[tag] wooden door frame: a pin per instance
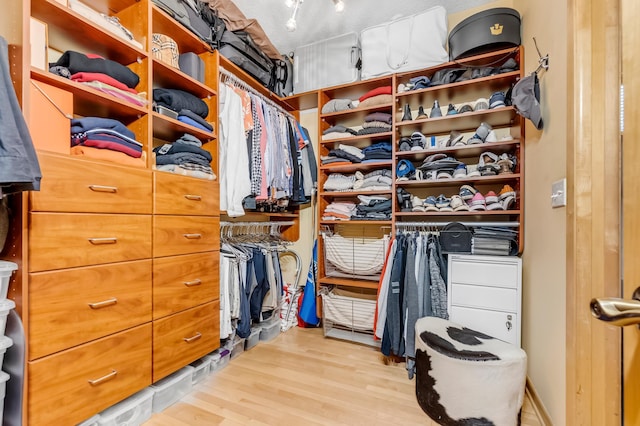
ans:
(593, 356)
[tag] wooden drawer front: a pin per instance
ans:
(496, 298)
(173, 235)
(176, 194)
(59, 241)
(182, 338)
(501, 325)
(496, 274)
(72, 185)
(181, 282)
(60, 391)
(70, 307)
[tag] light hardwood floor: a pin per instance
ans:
(302, 378)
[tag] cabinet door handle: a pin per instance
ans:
(193, 197)
(192, 236)
(103, 379)
(508, 325)
(99, 241)
(192, 339)
(102, 188)
(103, 304)
(193, 283)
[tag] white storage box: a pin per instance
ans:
(6, 269)
(93, 421)
(5, 343)
(219, 359)
(4, 378)
(171, 389)
(6, 305)
(270, 329)
(238, 347)
(133, 411)
(200, 369)
(253, 338)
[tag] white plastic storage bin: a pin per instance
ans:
(171, 389)
(4, 378)
(5, 343)
(270, 329)
(219, 359)
(253, 339)
(6, 305)
(93, 421)
(200, 369)
(6, 269)
(133, 411)
(238, 347)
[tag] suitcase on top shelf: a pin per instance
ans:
(238, 47)
(326, 63)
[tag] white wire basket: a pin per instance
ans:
(348, 316)
(358, 258)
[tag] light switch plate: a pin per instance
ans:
(559, 193)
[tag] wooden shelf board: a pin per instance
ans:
(358, 111)
(167, 76)
(170, 129)
(490, 83)
(67, 30)
(88, 101)
(358, 139)
(497, 117)
(302, 101)
(349, 282)
(457, 182)
(356, 222)
(462, 213)
(464, 151)
(349, 168)
(253, 214)
(186, 40)
(356, 89)
(352, 193)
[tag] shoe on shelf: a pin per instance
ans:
(421, 114)
(451, 110)
(435, 110)
(467, 192)
(491, 137)
(496, 100)
(478, 200)
(465, 108)
(417, 204)
(405, 144)
(458, 204)
(480, 136)
(508, 201)
(404, 199)
(418, 141)
(472, 171)
(495, 206)
(407, 113)
(481, 104)
(507, 191)
(444, 174)
(442, 201)
(491, 197)
(430, 204)
(460, 172)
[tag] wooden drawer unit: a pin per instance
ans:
(74, 306)
(176, 194)
(58, 240)
(182, 338)
(72, 185)
(71, 386)
(174, 235)
(181, 282)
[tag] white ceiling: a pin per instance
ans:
(317, 19)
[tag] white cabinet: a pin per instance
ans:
(485, 294)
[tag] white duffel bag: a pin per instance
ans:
(405, 44)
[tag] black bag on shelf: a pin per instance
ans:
(215, 22)
(282, 79)
(238, 47)
(187, 13)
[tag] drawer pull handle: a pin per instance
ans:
(193, 197)
(103, 379)
(193, 283)
(192, 236)
(102, 188)
(103, 304)
(99, 241)
(192, 339)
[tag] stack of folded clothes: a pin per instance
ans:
(185, 156)
(377, 151)
(375, 97)
(337, 105)
(191, 109)
(102, 74)
(338, 132)
(377, 180)
(376, 122)
(373, 207)
(339, 182)
(344, 153)
(339, 210)
(105, 139)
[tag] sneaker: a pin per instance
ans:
(481, 134)
(418, 141)
(505, 167)
(507, 202)
(496, 100)
(458, 204)
(465, 108)
(478, 200)
(460, 172)
(406, 116)
(442, 201)
(430, 204)
(472, 171)
(491, 197)
(481, 104)
(495, 206)
(452, 110)
(404, 200)
(405, 144)
(491, 137)
(435, 111)
(507, 191)
(421, 114)
(444, 174)
(454, 137)
(416, 204)
(405, 169)
(467, 189)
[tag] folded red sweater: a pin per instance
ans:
(82, 77)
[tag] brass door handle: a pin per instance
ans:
(616, 311)
(103, 379)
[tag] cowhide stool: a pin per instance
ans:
(464, 377)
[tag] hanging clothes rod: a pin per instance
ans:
(470, 224)
(244, 86)
(239, 224)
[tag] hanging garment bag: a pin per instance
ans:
(405, 44)
(326, 63)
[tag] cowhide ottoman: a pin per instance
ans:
(464, 377)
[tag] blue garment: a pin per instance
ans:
(262, 287)
(191, 122)
(243, 328)
(81, 125)
(19, 167)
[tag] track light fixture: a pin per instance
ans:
(292, 25)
